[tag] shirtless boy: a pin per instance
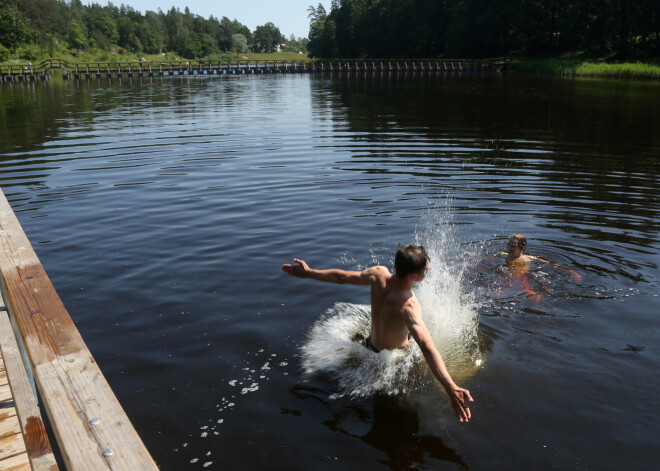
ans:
(396, 312)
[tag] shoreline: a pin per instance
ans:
(587, 68)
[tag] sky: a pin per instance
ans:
(290, 16)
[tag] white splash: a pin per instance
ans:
(450, 311)
(334, 347)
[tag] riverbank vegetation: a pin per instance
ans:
(609, 29)
(587, 68)
(575, 38)
(605, 38)
(33, 30)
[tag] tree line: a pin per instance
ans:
(485, 28)
(54, 24)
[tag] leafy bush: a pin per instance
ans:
(218, 57)
(4, 53)
(30, 53)
(103, 56)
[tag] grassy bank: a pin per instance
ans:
(109, 56)
(587, 68)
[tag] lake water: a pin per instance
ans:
(163, 209)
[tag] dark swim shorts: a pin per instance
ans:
(367, 343)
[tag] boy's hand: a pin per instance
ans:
(459, 398)
(299, 271)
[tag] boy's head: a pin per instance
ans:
(516, 241)
(410, 259)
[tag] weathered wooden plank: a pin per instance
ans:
(5, 393)
(18, 462)
(9, 426)
(72, 387)
(7, 412)
(28, 415)
(11, 445)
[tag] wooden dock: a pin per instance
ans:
(42, 349)
(24, 444)
(42, 71)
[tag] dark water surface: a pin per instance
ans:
(162, 211)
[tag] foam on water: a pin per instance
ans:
(333, 347)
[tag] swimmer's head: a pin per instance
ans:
(410, 259)
(516, 241)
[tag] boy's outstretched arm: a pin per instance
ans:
(459, 397)
(332, 275)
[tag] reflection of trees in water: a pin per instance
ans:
(25, 121)
(585, 149)
(394, 429)
(36, 113)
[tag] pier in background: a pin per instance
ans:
(70, 71)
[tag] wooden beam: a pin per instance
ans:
(92, 429)
(28, 418)
(5, 393)
(18, 462)
(9, 426)
(7, 412)
(11, 445)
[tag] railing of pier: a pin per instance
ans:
(147, 68)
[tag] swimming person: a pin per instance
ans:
(395, 312)
(518, 262)
(516, 257)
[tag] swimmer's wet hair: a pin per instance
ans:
(522, 240)
(410, 259)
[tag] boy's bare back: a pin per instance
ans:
(389, 299)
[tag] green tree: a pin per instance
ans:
(156, 29)
(321, 33)
(238, 43)
(15, 29)
(209, 46)
(267, 36)
(107, 26)
(76, 37)
(242, 29)
(4, 53)
(177, 33)
(48, 17)
(294, 46)
(192, 46)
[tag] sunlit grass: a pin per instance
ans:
(625, 70)
(94, 56)
(583, 68)
(272, 56)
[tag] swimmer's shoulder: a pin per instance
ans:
(377, 275)
(520, 262)
(377, 271)
(539, 259)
